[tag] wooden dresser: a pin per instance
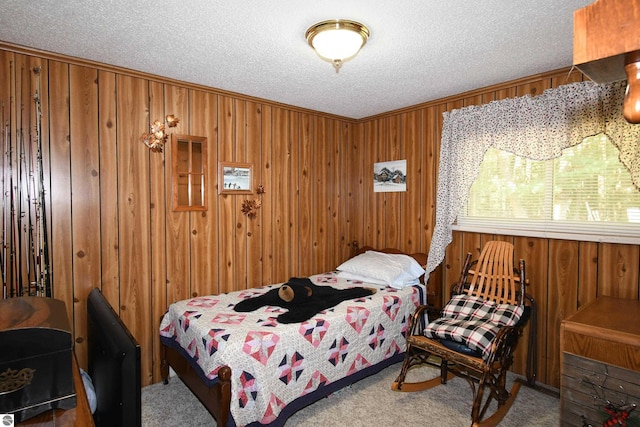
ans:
(600, 353)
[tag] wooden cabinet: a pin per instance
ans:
(80, 416)
(600, 353)
(604, 32)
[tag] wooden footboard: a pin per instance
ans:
(216, 399)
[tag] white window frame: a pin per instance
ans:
(597, 231)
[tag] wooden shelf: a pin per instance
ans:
(603, 33)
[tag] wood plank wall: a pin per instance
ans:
(113, 226)
(563, 274)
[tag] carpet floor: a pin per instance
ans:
(369, 402)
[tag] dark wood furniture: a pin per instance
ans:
(600, 352)
(37, 331)
(217, 398)
(80, 416)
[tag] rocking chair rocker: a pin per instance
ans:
(477, 333)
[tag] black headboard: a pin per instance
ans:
(114, 365)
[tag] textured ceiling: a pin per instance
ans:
(419, 50)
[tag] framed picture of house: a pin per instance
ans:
(235, 178)
(390, 176)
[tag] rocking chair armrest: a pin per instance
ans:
(417, 316)
(433, 312)
(503, 341)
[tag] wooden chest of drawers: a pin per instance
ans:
(600, 347)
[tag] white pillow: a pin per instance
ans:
(373, 281)
(395, 270)
(361, 278)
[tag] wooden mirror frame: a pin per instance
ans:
(224, 184)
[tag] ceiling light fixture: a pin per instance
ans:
(337, 40)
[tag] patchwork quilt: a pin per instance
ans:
(274, 364)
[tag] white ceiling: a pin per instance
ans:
(419, 50)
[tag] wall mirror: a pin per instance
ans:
(235, 178)
(189, 159)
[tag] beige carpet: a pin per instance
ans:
(369, 402)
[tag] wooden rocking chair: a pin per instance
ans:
(490, 289)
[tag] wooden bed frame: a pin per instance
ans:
(217, 398)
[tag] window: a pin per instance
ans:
(585, 194)
(189, 156)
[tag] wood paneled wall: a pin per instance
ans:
(113, 226)
(112, 222)
(563, 274)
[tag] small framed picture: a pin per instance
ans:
(390, 176)
(235, 178)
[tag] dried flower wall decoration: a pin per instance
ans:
(250, 207)
(157, 136)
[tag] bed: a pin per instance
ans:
(247, 369)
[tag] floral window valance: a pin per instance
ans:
(538, 128)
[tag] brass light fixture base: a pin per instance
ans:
(337, 26)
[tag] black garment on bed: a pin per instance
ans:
(302, 298)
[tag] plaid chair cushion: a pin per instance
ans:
(473, 322)
(461, 305)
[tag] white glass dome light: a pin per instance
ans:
(337, 40)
